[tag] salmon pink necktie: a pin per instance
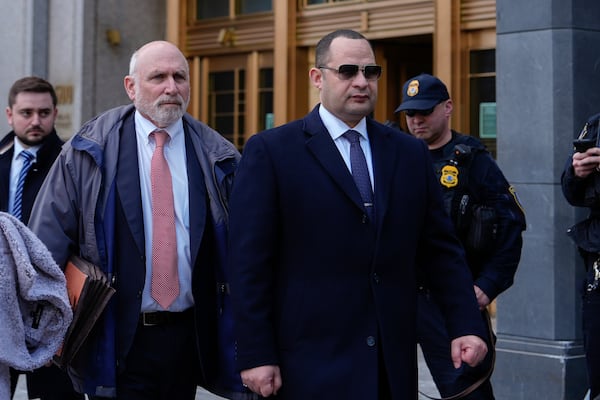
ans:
(165, 278)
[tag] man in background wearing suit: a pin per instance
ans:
(28, 151)
(141, 191)
(331, 218)
(31, 113)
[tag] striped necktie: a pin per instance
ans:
(18, 202)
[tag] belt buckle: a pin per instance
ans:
(144, 323)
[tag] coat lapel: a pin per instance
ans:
(5, 164)
(128, 183)
(197, 196)
(326, 153)
(384, 159)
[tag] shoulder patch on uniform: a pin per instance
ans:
(513, 192)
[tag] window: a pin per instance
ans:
(212, 9)
(207, 9)
(315, 2)
(265, 97)
(227, 103)
(226, 107)
(254, 6)
(482, 78)
(238, 98)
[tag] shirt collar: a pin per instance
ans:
(337, 127)
(19, 148)
(144, 127)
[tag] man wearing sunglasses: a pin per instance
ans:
(329, 217)
(488, 219)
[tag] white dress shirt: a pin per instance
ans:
(337, 128)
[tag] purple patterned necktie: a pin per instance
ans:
(360, 171)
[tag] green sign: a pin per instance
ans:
(269, 118)
(487, 120)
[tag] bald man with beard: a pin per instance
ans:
(97, 203)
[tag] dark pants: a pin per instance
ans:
(14, 379)
(591, 338)
(47, 383)
(435, 344)
(51, 383)
(162, 363)
(590, 316)
(239, 395)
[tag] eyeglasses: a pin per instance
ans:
(412, 113)
(349, 71)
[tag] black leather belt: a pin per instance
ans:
(164, 317)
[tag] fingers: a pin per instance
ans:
(455, 351)
(482, 299)
(587, 162)
(469, 349)
(264, 380)
(277, 381)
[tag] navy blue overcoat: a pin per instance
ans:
(320, 290)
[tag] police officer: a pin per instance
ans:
(488, 218)
(581, 187)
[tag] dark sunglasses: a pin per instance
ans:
(412, 113)
(349, 71)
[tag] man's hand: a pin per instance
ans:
(586, 163)
(264, 380)
(470, 349)
(482, 298)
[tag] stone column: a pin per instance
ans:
(548, 82)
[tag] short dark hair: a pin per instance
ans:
(30, 84)
(322, 50)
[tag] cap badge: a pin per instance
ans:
(413, 88)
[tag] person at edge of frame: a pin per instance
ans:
(580, 181)
(97, 202)
(331, 218)
(488, 219)
(32, 112)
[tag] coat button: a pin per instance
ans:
(370, 341)
(376, 278)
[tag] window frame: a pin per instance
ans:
(233, 9)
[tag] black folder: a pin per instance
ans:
(89, 292)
